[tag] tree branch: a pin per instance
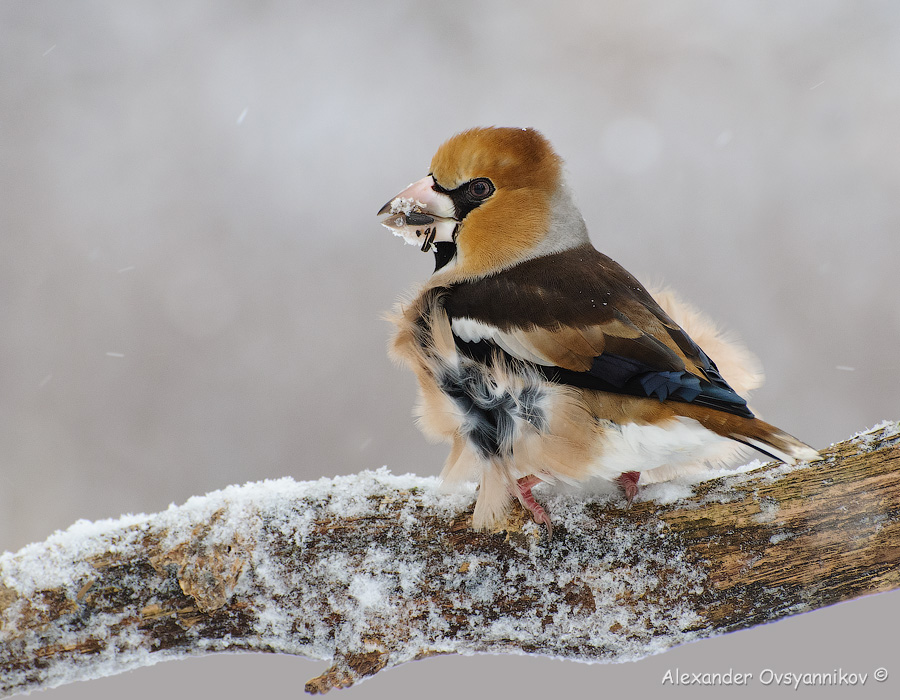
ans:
(374, 570)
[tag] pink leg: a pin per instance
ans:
(525, 484)
(628, 481)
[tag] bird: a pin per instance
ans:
(538, 358)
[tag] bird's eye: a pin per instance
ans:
(481, 188)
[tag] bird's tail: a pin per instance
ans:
(755, 433)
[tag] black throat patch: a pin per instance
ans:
(443, 253)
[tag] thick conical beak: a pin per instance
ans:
(421, 215)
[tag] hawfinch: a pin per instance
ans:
(539, 358)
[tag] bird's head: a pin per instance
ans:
(494, 197)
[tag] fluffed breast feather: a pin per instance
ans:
(423, 343)
(550, 425)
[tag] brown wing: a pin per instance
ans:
(587, 322)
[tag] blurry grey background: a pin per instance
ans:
(192, 273)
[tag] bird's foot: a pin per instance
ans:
(628, 481)
(525, 484)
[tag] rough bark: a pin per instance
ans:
(374, 570)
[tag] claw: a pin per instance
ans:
(628, 481)
(525, 484)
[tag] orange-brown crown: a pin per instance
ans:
(510, 157)
(525, 171)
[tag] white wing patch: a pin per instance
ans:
(471, 331)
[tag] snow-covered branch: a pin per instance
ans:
(374, 570)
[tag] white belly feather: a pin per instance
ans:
(660, 451)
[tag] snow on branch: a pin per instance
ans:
(373, 570)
